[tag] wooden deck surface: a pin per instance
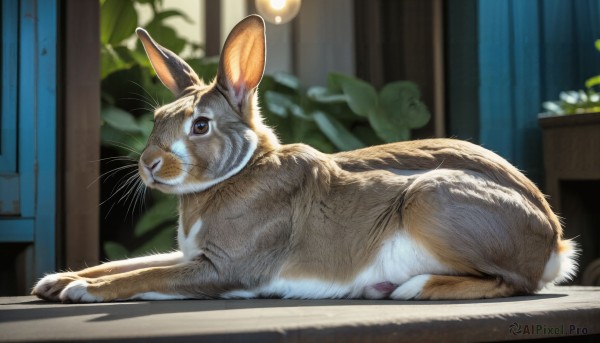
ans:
(552, 314)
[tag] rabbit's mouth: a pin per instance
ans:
(166, 186)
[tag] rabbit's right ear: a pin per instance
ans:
(242, 62)
(174, 73)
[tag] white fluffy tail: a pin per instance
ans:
(562, 264)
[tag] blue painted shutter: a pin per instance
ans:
(9, 180)
(28, 150)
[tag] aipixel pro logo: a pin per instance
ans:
(517, 329)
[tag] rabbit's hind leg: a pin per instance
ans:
(446, 287)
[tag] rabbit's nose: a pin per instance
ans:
(154, 165)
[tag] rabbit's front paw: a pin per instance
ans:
(50, 286)
(77, 292)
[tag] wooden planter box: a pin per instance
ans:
(572, 170)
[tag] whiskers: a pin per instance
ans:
(129, 188)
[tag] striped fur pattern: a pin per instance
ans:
(426, 219)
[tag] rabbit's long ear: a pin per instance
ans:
(170, 68)
(242, 61)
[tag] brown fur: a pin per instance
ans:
(443, 287)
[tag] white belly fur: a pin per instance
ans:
(399, 259)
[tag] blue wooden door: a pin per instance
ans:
(28, 129)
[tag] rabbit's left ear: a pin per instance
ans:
(174, 73)
(242, 61)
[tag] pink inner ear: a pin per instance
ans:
(243, 59)
(239, 89)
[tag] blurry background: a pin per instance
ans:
(78, 95)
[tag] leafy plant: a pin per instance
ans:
(346, 114)
(573, 102)
(582, 101)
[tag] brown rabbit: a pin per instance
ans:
(426, 219)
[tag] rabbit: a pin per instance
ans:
(426, 219)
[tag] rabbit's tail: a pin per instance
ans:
(562, 264)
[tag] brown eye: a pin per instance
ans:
(200, 126)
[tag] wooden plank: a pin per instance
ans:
(46, 28)
(569, 312)
(496, 76)
(81, 119)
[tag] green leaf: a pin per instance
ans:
(118, 20)
(280, 104)
(172, 13)
(287, 80)
(361, 96)
(386, 129)
(298, 111)
(119, 119)
(553, 107)
(592, 81)
(115, 251)
(160, 213)
(400, 103)
(325, 96)
(597, 44)
(277, 103)
(114, 59)
(341, 137)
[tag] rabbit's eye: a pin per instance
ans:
(200, 126)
